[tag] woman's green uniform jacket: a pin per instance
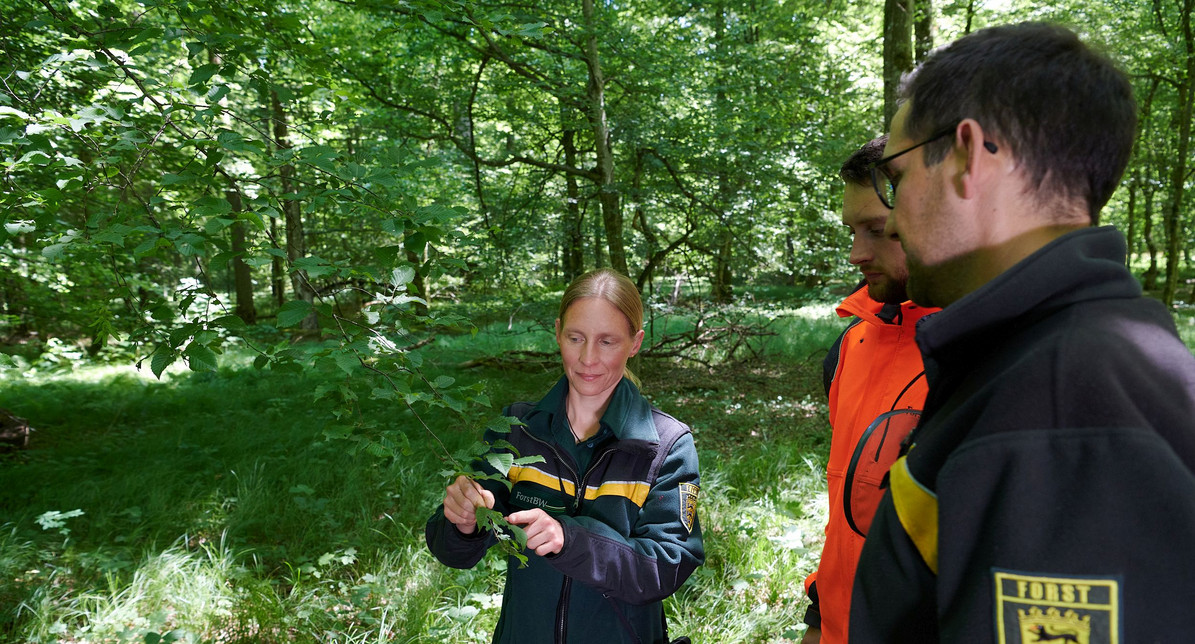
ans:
(631, 534)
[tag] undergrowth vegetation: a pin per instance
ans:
(212, 507)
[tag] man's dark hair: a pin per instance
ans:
(855, 169)
(1064, 110)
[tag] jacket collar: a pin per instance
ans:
(628, 417)
(1083, 265)
(860, 305)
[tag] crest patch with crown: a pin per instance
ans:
(1054, 608)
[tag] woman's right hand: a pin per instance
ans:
(461, 499)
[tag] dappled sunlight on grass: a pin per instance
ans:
(211, 504)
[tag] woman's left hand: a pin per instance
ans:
(545, 535)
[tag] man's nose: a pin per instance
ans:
(861, 250)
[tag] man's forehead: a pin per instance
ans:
(860, 205)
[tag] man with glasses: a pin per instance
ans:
(1049, 492)
(873, 368)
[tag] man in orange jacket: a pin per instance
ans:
(874, 368)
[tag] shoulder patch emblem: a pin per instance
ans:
(1066, 610)
(688, 504)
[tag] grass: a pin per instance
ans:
(210, 507)
(213, 510)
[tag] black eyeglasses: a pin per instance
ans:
(886, 189)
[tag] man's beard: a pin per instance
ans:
(889, 291)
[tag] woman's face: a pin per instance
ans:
(595, 342)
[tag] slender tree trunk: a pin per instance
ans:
(599, 258)
(923, 29)
(721, 289)
(790, 251)
(1150, 278)
(1178, 172)
(608, 195)
(898, 50)
(573, 250)
(242, 275)
(1131, 234)
(639, 222)
(296, 245)
(277, 270)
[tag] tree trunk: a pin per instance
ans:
(720, 282)
(599, 258)
(923, 29)
(790, 251)
(1178, 172)
(639, 223)
(898, 50)
(573, 250)
(1150, 278)
(1131, 234)
(608, 195)
(242, 275)
(277, 270)
(296, 245)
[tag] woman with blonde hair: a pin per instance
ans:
(611, 512)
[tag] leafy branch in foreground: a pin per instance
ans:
(500, 455)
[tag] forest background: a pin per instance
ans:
(267, 269)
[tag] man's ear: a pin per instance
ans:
(976, 158)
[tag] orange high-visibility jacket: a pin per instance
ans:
(874, 367)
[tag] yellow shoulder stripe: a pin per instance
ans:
(917, 509)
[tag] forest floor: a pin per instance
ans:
(210, 507)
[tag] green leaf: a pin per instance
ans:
(314, 266)
(347, 361)
(500, 461)
(401, 276)
(53, 252)
(13, 112)
(230, 322)
(203, 74)
(200, 358)
(502, 424)
(171, 179)
(162, 358)
(293, 312)
(216, 224)
(207, 206)
(20, 227)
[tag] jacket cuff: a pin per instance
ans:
(813, 614)
(566, 526)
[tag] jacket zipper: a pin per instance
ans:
(562, 610)
(567, 588)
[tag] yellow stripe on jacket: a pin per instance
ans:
(633, 491)
(917, 509)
